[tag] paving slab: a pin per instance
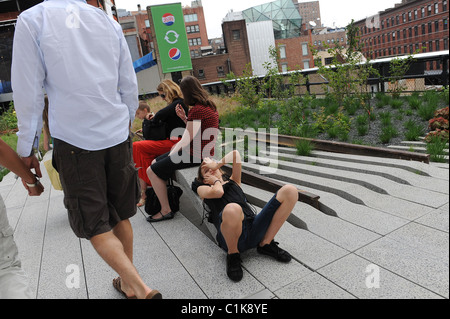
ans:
(313, 286)
(357, 276)
(422, 268)
(438, 219)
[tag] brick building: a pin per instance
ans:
(214, 68)
(310, 12)
(409, 26)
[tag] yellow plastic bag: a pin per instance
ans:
(53, 174)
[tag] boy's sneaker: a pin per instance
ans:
(274, 251)
(234, 268)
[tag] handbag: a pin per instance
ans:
(152, 204)
(53, 174)
(154, 131)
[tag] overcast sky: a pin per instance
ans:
(333, 12)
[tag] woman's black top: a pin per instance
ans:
(233, 193)
(169, 116)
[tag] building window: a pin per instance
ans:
(445, 23)
(429, 10)
(430, 28)
(436, 8)
(284, 67)
(415, 14)
(444, 5)
(445, 44)
(423, 12)
(404, 17)
(305, 64)
(397, 20)
(423, 29)
(436, 26)
(220, 71)
(236, 34)
(191, 17)
(438, 46)
(147, 23)
(430, 46)
(194, 42)
(305, 49)
(416, 31)
(282, 51)
(201, 74)
(410, 32)
(192, 29)
(409, 16)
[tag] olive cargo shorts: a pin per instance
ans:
(101, 188)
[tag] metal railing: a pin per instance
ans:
(428, 70)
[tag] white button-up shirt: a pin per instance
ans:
(80, 57)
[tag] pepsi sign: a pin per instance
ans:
(174, 54)
(168, 19)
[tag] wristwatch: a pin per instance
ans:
(35, 184)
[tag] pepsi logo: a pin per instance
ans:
(168, 19)
(175, 54)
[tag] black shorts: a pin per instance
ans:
(164, 167)
(101, 188)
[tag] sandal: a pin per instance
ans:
(168, 216)
(117, 283)
(141, 202)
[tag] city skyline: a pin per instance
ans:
(334, 13)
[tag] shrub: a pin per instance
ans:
(442, 134)
(442, 113)
(438, 123)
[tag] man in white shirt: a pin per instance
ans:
(80, 57)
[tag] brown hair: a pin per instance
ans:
(170, 89)
(194, 93)
(143, 106)
(200, 177)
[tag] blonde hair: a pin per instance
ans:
(170, 89)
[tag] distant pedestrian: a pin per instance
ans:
(80, 56)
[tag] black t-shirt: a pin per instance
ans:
(233, 193)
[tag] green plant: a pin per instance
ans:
(413, 131)
(396, 103)
(387, 133)
(398, 67)
(8, 120)
(427, 110)
(304, 147)
(362, 130)
(247, 90)
(436, 148)
(385, 118)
